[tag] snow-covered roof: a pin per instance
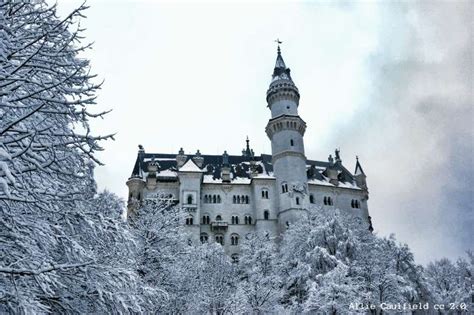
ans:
(242, 169)
(190, 167)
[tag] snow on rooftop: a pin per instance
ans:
(167, 173)
(190, 166)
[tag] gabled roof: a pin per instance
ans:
(190, 167)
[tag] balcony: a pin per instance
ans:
(219, 226)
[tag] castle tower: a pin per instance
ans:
(286, 130)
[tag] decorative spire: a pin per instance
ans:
(337, 155)
(225, 159)
(358, 168)
(282, 86)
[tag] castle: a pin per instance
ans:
(228, 196)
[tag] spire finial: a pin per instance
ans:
(278, 41)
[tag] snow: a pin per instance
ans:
(167, 173)
(190, 167)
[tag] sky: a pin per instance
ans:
(389, 81)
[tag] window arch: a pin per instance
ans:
(246, 199)
(328, 201)
(311, 198)
(284, 187)
(234, 199)
(235, 219)
(297, 200)
(190, 199)
(204, 238)
(206, 219)
(189, 220)
(218, 217)
(234, 239)
(292, 143)
(266, 215)
(218, 198)
(220, 239)
(264, 193)
(248, 219)
(238, 199)
(214, 199)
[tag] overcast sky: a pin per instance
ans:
(389, 81)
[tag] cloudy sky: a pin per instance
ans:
(389, 81)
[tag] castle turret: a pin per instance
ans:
(286, 130)
(136, 184)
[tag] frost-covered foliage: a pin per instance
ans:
(63, 248)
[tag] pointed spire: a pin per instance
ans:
(358, 168)
(281, 72)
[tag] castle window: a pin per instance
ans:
(214, 199)
(248, 219)
(206, 219)
(234, 239)
(235, 219)
(284, 187)
(246, 199)
(311, 198)
(205, 198)
(204, 238)
(353, 203)
(264, 194)
(218, 218)
(234, 199)
(189, 221)
(218, 199)
(238, 199)
(235, 258)
(328, 201)
(287, 224)
(266, 215)
(297, 200)
(292, 143)
(220, 239)
(190, 199)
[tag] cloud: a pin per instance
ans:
(415, 131)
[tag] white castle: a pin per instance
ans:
(229, 196)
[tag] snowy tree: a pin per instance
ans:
(333, 292)
(452, 282)
(60, 251)
(161, 247)
(259, 280)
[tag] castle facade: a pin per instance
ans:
(227, 197)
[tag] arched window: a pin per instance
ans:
(357, 204)
(218, 218)
(218, 198)
(189, 221)
(190, 199)
(246, 199)
(205, 198)
(206, 219)
(352, 204)
(220, 239)
(263, 194)
(292, 143)
(330, 201)
(266, 215)
(311, 198)
(214, 199)
(234, 239)
(236, 220)
(297, 200)
(234, 199)
(286, 187)
(266, 194)
(238, 199)
(248, 219)
(204, 238)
